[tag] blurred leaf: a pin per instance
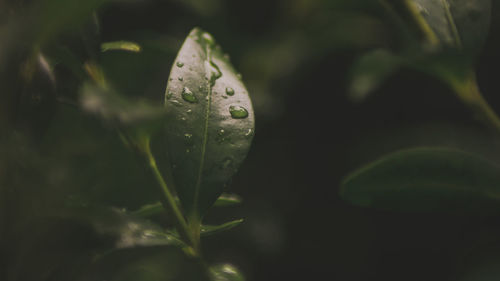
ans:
(65, 243)
(70, 148)
(127, 231)
(426, 179)
(226, 272)
(228, 199)
(149, 210)
(207, 230)
(121, 46)
(225, 200)
(369, 71)
(49, 19)
(461, 24)
(137, 119)
(147, 264)
(211, 122)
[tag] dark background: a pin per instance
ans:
(295, 58)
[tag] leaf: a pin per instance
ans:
(127, 231)
(426, 179)
(228, 199)
(137, 120)
(148, 210)
(121, 46)
(226, 272)
(461, 24)
(66, 242)
(369, 71)
(117, 110)
(207, 230)
(164, 263)
(211, 122)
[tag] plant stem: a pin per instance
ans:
(169, 203)
(469, 93)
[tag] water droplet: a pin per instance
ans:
(180, 79)
(229, 91)
(220, 136)
(238, 112)
(189, 111)
(176, 102)
(188, 136)
(179, 64)
(249, 133)
(188, 96)
(200, 87)
(207, 97)
(208, 38)
(183, 118)
(169, 95)
(215, 72)
(188, 150)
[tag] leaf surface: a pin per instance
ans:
(210, 122)
(426, 179)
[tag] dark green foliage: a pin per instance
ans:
(427, 179)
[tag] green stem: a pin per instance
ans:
(169, 203)
(469, 93)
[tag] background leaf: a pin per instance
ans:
(211, 122)
(226, 272)
(461, 24)
(67, 242)
(426, 179)
(121, 46)
(207, 230)
(369, 71)
(147, 264)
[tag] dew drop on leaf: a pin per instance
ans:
(249, 133)
(208, 38)
(188, 96)
(176, 102)
(238, 112)
(215, 72)
(179, 64)
(230, 91)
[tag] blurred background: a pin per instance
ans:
(295, 57)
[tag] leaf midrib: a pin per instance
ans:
(205, 139)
